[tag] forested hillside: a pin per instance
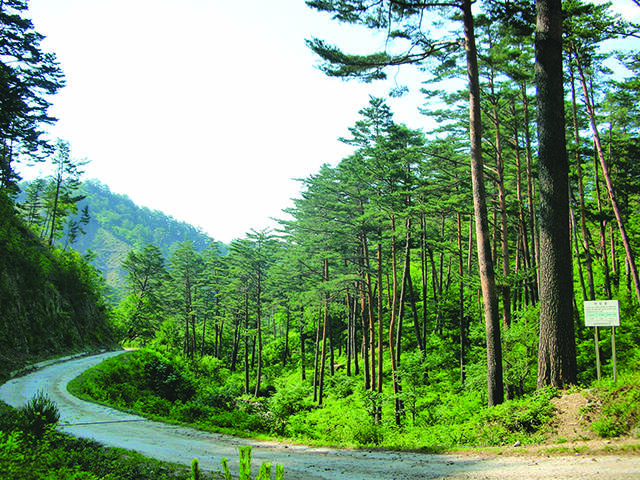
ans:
(103, 226)
(117, 225)
(50, 299)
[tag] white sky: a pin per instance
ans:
(203, 109)
(207, 109)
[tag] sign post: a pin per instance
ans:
(603, 313)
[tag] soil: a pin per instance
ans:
(577, 456)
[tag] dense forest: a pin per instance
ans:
(423, 277)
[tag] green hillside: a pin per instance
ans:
(50, 299)
(118, 225)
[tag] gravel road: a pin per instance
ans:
(181, 444)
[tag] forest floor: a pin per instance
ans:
(572, 453)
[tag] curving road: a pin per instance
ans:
(181, 444)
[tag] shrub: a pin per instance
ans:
(153, 405)
(211, 368)
(39, 415)
(190, 412)
(289, 400)
(167, 382)
(9, 417)
(341, 386)
(221, 398)
(367, 433)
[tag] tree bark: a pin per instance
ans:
(485, 262)
(557, 348)
(325, 325)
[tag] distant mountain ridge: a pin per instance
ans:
(118, 225)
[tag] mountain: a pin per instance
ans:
(118, 225)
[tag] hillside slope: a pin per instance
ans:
(118, 225)
(50, 300)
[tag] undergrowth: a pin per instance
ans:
(615, 409)
(435, 420)
(31, 448)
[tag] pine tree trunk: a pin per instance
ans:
(588, 261)
(323, 354)
(485, 261)
(557, 349)
(303, 338)
(423, 277)
(533, 224)
(502, 202)
(246, 343)
(378, 410)
(316, 361)
(259, 333)
(462, 321)
(285, 354)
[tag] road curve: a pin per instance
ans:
(181, 444)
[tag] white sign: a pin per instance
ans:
(602, 313)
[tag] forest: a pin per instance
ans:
(431, 283)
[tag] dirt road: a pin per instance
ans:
(180, 444)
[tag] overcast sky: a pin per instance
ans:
(205, 109)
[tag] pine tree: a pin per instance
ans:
(28, 77)
(405, 21)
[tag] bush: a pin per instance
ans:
(152, 405)
(167, 382)
(190, 412)
(221, 398)
(211, 368)
(9, 417)
(367, 433)
(39, 415)
(289, 400)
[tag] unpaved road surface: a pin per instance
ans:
(180, 444)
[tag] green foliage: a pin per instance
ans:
(244, 462)
(219, 397)
(54, 456)
(195, 469)
(616, 408)
(29, 76)
(518, 419)
(38, 416)
(50, 300)
(244, 465)
(290, 399)
(164, 379)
